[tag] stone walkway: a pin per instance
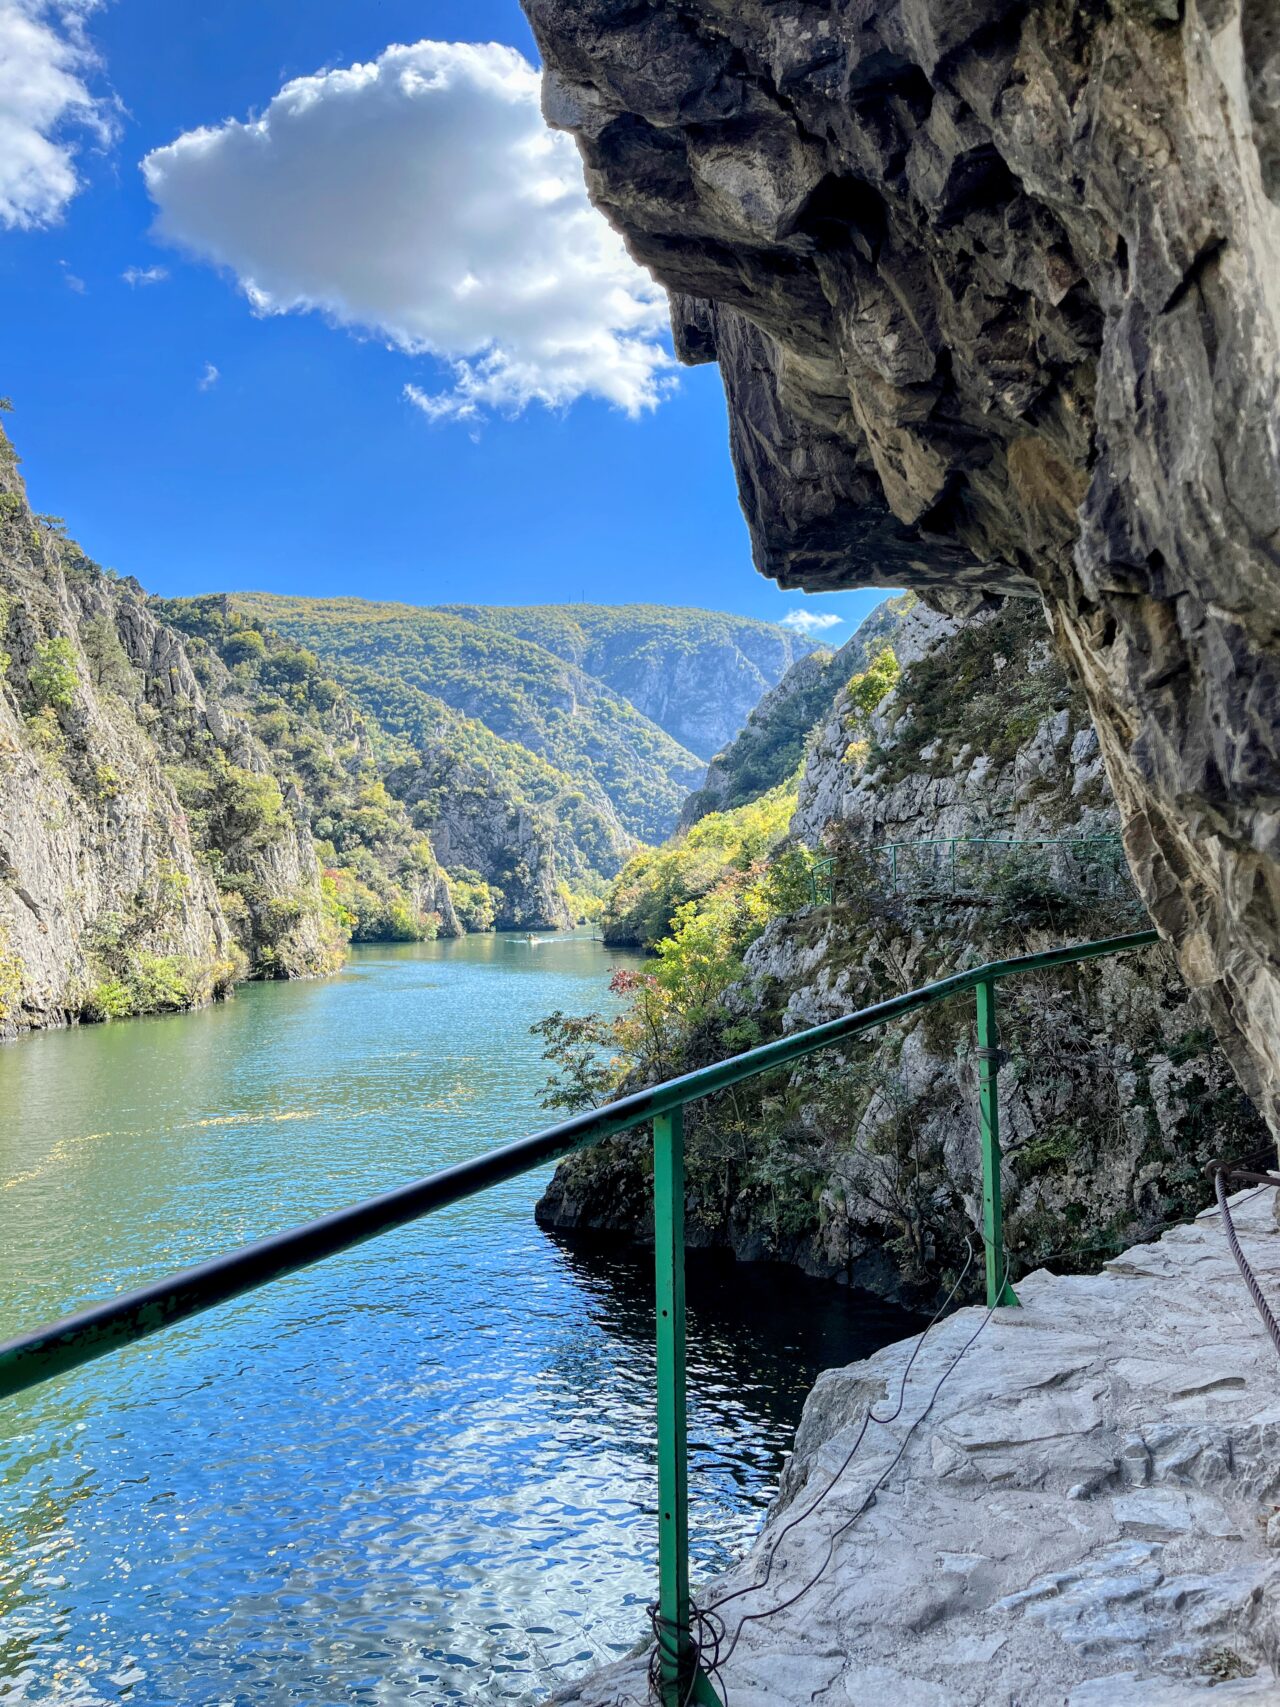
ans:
(1089, 1516)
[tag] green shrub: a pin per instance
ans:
(108, 999)
(161, 983)
(11, 971)
(52, 681)
(45, 733)
(656, 882)
(108, 662)
(863, 693)
(172, 883)
(474, 901)
(243, 645)
(250, 806)
(141, 982)
(403, 923)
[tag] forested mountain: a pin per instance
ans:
(380, 877)
(567, 835)
(696, 673)
(563, 681)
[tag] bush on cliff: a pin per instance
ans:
(656, 883)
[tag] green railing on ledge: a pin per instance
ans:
(92, 1333)
(1099, 856)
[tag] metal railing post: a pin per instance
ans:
(673, 1480)
(675, 1637)
(999, 1290)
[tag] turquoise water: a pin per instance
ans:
(422, 1472)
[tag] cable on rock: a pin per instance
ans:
(705, 1642)
(1222, 1172)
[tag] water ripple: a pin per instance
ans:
(422, 1473)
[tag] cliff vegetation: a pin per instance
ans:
(527, 676)
(862, 1164)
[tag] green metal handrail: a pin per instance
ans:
(61, 1346)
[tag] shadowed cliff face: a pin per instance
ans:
(995, 290)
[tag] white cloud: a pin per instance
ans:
(45, 58)
(421, 197)
(144, 275)
(209, 378)
(810, 621)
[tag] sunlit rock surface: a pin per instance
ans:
(1114, 1095)
(98, 858)
(1086, 1513)
(995, 291)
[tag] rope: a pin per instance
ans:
(868, 1500)
(704, 1641)
(1221, 1172)
(698, 1643)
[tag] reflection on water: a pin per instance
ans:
(423, 1472)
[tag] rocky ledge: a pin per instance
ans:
(1086, 1515)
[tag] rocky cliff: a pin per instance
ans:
(381, 880)
(865, 1165)
(993, 288)
(771, 744)
(478, 825)
(117, 894)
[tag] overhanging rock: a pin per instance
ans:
(995, 290)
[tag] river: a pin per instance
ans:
(420, 1473)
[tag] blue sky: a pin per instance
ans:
(304, 466)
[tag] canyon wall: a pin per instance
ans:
(863, 1163)
(148, 857)
(995, 291)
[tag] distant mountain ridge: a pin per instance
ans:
(697, 674)
(596, 692)
(771, 743)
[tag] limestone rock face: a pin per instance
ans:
(995, 290)
(476, 825)
(1113, 1094)
(89, 825)
(771, 744)
(703, 696)
(101, 869)
(696, 674)
(1079, 1508)
(279, 922)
